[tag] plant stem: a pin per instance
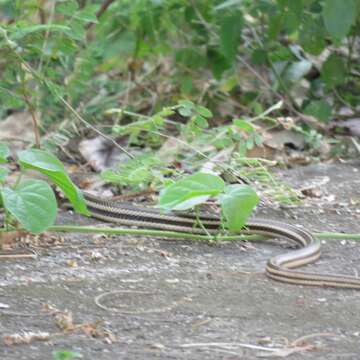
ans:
(337, 236)
(179, 235)
(199, 222)
(34, 118)
(148, 232)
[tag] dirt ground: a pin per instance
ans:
(155, 299)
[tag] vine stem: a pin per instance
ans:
(150, 232)
(337, 236)
(180, 235)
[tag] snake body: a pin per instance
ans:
(280, 268)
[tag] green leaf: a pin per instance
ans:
(223, 142)
(187, 103)
(339, 16)
(200, 121)
(190, 191)
(21, 32)
(78, 29)
(4, 153)
(244, 125)
(66, 355)
(312, 35)
(137, 172)
(184, 111)
(280, 53)
(320, 109)
(166, 111)
(186, 108)
(259, 57)
(204, 112)
(88, 14)
(67, 8)
(229, 84)
(274, 27)
(292, 13)
(32, 203)
(237, 205)
(230, 32)
(10, 100)
(218, 62)
(333, 71)
(51, 166)
(3, 173)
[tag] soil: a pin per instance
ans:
(145, 298)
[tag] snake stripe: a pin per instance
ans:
(279, 268)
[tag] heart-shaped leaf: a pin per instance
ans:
(237, 205)
(32, 203)
(190, 191)
(50, 165)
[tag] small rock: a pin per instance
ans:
(322, 300)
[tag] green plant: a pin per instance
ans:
(31, 202)
(137, 173)
(50, 47)
(97, 57)
(237, 201)
(237, 137)
(66, 355)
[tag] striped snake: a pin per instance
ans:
(280, 268)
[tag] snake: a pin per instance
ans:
(281, 267)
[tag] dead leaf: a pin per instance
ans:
(284, 138)
(8, 240)
(72, 263)
(100, 153)
(96, 331)
(25, 338)
(64, 320)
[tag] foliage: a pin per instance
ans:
(137, 173)
(31, 201)
(47, 164)
(83, 55)
(66, 355)
(190, 191)
(230, 60)
(238, 136)
(237, 201)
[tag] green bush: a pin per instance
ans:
(250, 51)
